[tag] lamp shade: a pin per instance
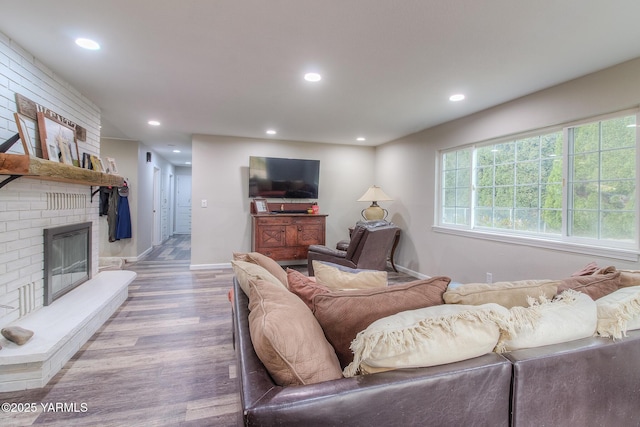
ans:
(374, 194)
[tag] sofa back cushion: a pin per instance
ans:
(619, 312)
(629, 278)
(265, 262)
(507, 294)
(287, 338)
(304, 287)
(595, 285)
(336, 278)
(248, 272)
(569, 316)
(343, 314)
(428, 336)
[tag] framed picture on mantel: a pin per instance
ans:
(23, 131)
(58, 140)
(261, 206)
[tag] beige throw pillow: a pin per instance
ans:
(336, 279)
(507, 294)
(247, 272)
(569, 316)
(427, 337)
(629, 278)
(287, 338)
(263, 261)
(619, 312)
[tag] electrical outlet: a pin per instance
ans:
(203, 203)
(489, 278)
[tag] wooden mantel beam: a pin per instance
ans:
(35, 167)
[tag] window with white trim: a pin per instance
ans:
(517, 186)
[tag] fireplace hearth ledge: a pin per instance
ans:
(61, 329)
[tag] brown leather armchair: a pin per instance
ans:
(368, 247)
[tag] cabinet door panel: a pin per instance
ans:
(310, 234)
(271, 236)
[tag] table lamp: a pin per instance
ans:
(374, 194)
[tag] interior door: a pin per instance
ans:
(183, 204)
(157, 234)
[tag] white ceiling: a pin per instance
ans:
(235, 67)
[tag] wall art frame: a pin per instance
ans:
(261, 206)
(58, 135)
(27, 143)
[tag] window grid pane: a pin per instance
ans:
(512, 182)
(455, 191)
(602, 180)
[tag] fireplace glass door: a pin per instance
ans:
(67, 259)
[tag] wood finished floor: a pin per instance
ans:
(165, 358)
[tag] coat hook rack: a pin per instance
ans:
(93, 193)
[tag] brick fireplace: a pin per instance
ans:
(28, 207)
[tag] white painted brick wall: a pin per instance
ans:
(26, 206)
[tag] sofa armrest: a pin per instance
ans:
(455, 394)
(325, 250)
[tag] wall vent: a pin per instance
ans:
(62, 201)
(27, 298)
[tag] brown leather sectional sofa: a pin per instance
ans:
(589, 382)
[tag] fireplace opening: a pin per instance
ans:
(67, 259)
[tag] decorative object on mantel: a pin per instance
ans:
(23, 131)
(30, 109)
(17, 334)
(96, 163)
(374, 194)
(111, 167)
(58, 140)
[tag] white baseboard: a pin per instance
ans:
(210, 266)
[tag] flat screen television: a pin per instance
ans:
(283, 178)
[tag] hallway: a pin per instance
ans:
(175, 248)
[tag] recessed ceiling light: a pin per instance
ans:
(361, 138)
(456, 97)
(176, 151)
(312, 77)
(154, 122)
(271, 132)
(187, 163)
(87, 44)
